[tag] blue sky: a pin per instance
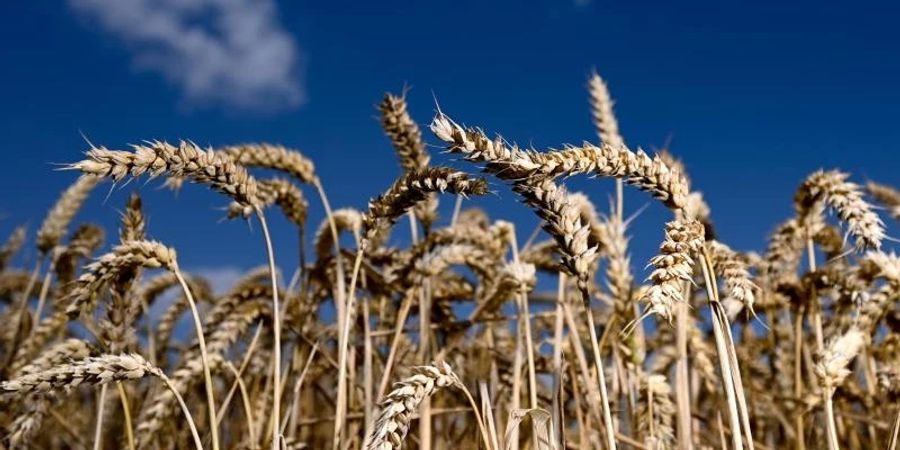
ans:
(755, 95)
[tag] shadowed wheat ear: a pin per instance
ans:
(410, 148)
(54, 226)
(412, 188)
(831, 188)
(888, 196)
(280, 192)
(12, 246)
(93, 371)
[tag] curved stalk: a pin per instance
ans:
(207, 377)
(276, 317)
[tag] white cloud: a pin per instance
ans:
(233, 53)
(221, 279)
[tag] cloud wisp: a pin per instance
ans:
(231, 53)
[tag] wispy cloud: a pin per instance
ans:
(232, 53)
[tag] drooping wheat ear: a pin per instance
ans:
(57, 354)
(562, 220)
(414, 187)
(506, 162)
(344, 219)
(272, 156)
(684, 237)
(398, 407)
(831, 188)
(602, 112)
(123, 257)
(832, 365)
(515, 278)
(656, 412)
(738, 284)
(407, 141)
(186, 160)
(96, 371)
(133, 225)
(888, 196)
(153, 288)
(54, 226)
(12, 246)
(276, 191)
(82, 245)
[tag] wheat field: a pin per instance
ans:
(466, 336)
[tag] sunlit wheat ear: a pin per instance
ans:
(124, 256)
(672, 266)
(738, 284)
(186, 160)
(88, 371)
(562, 221)
(398, 407)
(511, 163)
(412, 188)
(602, 111)
(60, 215)
(831, 188)
(12, 246)
(888, 196)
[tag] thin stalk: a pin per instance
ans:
(184, 409)
(830, 427)
(248, 353)
(522, 304)
(343, 343)
(245, 399)
(722, 352)
(42, 298)
(207, 377)
(276, 317)
(395, 343)
(558, 325)
(598, 362)
(682, 389)
(126, 413)
(478, 418)
(98, 429)
(895, 432)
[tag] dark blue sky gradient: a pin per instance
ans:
(755, 96)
